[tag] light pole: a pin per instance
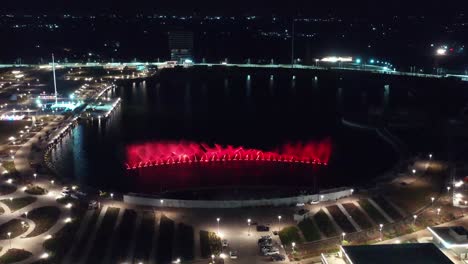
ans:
(217, 220)
(380, 229)
(342, 237)
(293, 245)
(279, 222)
(9, 237)
(414, 219)
(438, 211)
(248, 223)
(35, 176)
(432, 201)
(212, 258)
(26, 214)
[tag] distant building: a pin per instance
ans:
(408, 253)
(181, 45)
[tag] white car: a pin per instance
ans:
(233, 254)
(225, 243)
(271, 252)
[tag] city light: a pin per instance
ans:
(337, 59)
(441, 51)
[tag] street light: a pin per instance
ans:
(414, 219)
(380, 229)
(438, 211)
(432, 201)
(343, 235)
(248, 222)
(430, 156)
(414, 171)
(217, 220)
(279, 222)
(9, 237)
(448, 189)
(293, 244)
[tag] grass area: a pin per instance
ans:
(357, 215)
(81, 244)
(412, 193)
(7, 189)
(125, 230)
(210, 244)
(8, 129)
(35, 190)
(145, 237)
(290, 234)
(63, 240)
(341, 219)
(44, 218)
(104, 233)
(325, 224)
(165, 240)
(309, 230)
(14, 227)
(9, 166)
(205, 244)
(18, 203)
(14, 255)
(185, 242)
(372, 211)
(387, 207)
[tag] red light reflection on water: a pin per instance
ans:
(168, 153)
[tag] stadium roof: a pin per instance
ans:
(426, 253)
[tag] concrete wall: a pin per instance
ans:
(158, 202)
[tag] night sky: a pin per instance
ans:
(310, 7)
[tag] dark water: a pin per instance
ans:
(262, 111)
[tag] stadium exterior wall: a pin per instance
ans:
(328, 195)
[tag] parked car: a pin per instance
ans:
(261, 240)
(263, 228)
(268, 249)
(272, 252)
(93, 204)
(233, 254)
(225, 243)
(277, 257)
